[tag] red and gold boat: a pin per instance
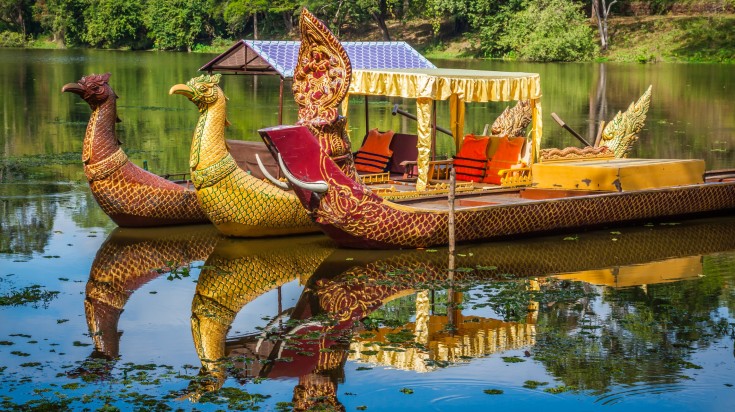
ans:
(131, 196)
(563, 194)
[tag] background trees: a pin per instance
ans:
(545, 30)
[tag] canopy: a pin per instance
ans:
(456, 85)
(279, 57)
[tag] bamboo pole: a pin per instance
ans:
(452, 189)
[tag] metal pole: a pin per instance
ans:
(280, 103)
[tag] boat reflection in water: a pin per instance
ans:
(127, 260)
(406, 309)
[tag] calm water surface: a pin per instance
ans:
(623, 318)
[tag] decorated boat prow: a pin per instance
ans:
(236, 202)
(131, 196)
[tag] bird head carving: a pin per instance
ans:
(93, 88)
(201, 90)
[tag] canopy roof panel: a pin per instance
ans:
(279, 57)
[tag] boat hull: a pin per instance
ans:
(133, 197)
(554, 215)
(355, 217)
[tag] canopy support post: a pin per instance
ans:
(433, 130)
(280, 103)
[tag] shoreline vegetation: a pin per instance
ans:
(684, 31)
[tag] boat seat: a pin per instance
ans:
(384, 152)
(503, 150)
(374, 155)
(480, 159)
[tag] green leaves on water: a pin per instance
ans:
(175, 270)
(34, 295)
(531, 384)
(561, 389)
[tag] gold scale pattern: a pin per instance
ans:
(384, 224)
(124, 264)
(622, 131)
(131, 196)
(237, 203)
(228, 282)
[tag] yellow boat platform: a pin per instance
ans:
(617, 175)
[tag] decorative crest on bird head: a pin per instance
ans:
(203, 89)
(93, 88)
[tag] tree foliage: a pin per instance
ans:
(546, 30)
(113, 23)
(175, 24)
(549, 30)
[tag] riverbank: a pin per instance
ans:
(705, 38)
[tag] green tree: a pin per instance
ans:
(175, 24)
(380, 11)
(114, 23)
(238, 13)
(549, 30)
(63, 19)
(488, 20)
(15, 15)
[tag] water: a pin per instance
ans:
(622, 318)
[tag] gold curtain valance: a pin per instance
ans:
(440, 84)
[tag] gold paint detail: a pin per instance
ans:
(322, 74)
(89, 136)
(214, 173)
(106, 167)
(513, 121)
(575, 153)
(622, 131)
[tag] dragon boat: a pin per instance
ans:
(586, 189)
(235, 201)
(128, 194)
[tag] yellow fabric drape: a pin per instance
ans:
(536, 130)
(440, 84)
(423, 130)
(458, 85)
(456, 119)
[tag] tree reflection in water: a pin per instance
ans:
(593, 319)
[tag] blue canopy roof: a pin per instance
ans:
(279, 57)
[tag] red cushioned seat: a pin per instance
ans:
(374, 155)
(470, 161)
